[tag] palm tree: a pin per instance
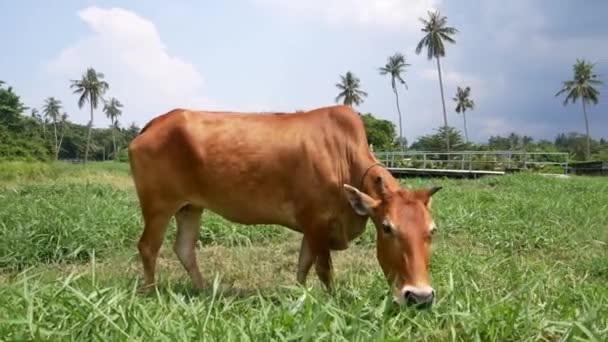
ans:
(464, 102)
(437, 31)
(113, 111)
(349, 90)
(51, 110)
(64, 120)
(91, 88)
(395, 66)
(582, 86)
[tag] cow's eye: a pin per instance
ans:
(387, 229)
(433, 228)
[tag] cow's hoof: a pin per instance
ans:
(146, 289)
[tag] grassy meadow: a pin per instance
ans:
(520, 257)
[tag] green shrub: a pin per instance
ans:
(123, 156)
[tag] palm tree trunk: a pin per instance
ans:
(56, 147)
(60, 139)
(399, 112)
(445, 117)
(86, 151)
(588, 152)
(114, 141)
(466, 133)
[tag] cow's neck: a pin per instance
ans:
(370, 173)
(350, 225)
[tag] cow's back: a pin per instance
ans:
(249, 168)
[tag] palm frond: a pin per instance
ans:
(436, 32)
(421, 44)
(349, 89)
(593, 96)
(582, 84)
(595, 82)
(83, 99)
(446, 38)
(463, 100)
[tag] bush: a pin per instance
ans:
(123, 156)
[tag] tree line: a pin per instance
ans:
(47, 133)
(436, 34)
(382, 136)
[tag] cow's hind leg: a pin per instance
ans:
(149, 245)
(188, 226)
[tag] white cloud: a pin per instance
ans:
(453, 79)
(128, 49)
(390, 14)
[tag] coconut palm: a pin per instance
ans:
(91, 88)
(437, 32)
(464, 103)
(113, 111)
(582, 87)
(64, 120)
(51, 110)
(395, 67)
(350, 90)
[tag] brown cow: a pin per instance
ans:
(311, 172)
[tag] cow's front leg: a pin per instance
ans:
(323, 265)
(305, 260)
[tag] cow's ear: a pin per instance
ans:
(361, 203)
(426, 195)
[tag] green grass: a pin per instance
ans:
(519, 257)
(17, 171)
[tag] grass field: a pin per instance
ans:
(519, 257)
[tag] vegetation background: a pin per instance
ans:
(27, 135)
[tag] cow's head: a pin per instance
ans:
(404, 227)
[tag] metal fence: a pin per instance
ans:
(548, 162)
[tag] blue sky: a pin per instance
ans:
(253, 55)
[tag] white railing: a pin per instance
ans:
(548, 162)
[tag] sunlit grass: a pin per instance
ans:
(519, 257)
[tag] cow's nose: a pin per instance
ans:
(419, 296)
